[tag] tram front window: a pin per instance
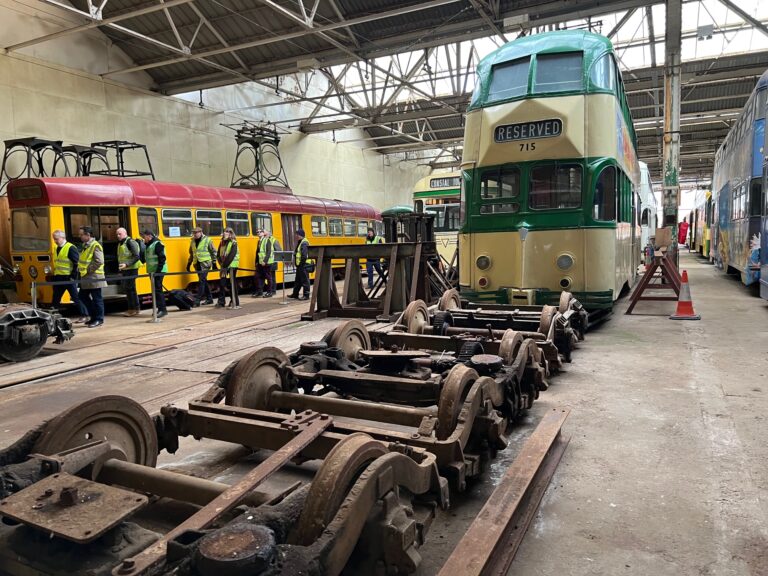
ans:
(559, 72)
(555, 187)
(31, 229)
(509, 80)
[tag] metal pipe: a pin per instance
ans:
(400, 415)
(168, 484)
(497, 334)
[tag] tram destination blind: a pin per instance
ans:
(528, 130)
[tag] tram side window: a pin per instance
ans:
(210, 221)
(31, 229)
(603, 74)
(335, 227)
(147, 218)
(177, 223)
(238, 221)
(559, 72)
(349, 227)
(261, 221)
(497, 186)
(509, 79)
(604, 202)
(362, 228)
(755, 198)
(319, 226)
(555, 186)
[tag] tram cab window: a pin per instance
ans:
(335, 227)
(603, 74)
(31, 229)
(555, 186)
(755, 197)
(558, 72)
(177, 223)
(210, 221)
(238, 221)
(349, 227)
(319, 226)
(362, 228)
(147, 218)
(504, 183)
(509, 79)
(261, 221)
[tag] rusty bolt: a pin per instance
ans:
(323, 416)
(68, 496)
(127, 566)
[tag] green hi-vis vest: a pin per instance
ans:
(201, 251)
(263, 251)
(228, 249)
(85, 260)
(62, 264)
(375, 240)
(124, 256)
(151, 257)
(297, 253)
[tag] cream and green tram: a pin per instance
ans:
(438, 194)
(550, 175)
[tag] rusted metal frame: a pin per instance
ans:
(659, 263)
(490, 544)
(391, 280)
(413, 293)
(381, 387)
(155, 554)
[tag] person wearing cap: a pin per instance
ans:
(229, 262)
(371, 263)
(202, 255)
(92, 279)
(157, 265)
(302, 262)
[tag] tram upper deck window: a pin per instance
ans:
(509, 79)
(147, 218)
(177, 223)
(362, 228)
(555, 187)
(31, 229)
(210, 221)
(261, 221)
(603, 74)
(604, 201)
(238, 221)
(559, 72)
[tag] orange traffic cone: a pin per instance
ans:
(684, 303)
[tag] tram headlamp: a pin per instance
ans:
(33, 271)
(483, 282)
(47, 270)
(564, 261)
(565, 283)
(16, 269)
(483, 262)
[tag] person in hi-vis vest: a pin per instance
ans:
(65, 269)
(302, 262)
(91, 269)
(154, 254)
(229, 262)
(129, 262)
(373, 263)
(202, 255)
(265, 260)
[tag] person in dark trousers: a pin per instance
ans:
(91, 269)
(302, 262)
(154, 254)
(265, 259)
(229, 261)
(129, 262)
(202, 255)
(371, 263)
(65, 269)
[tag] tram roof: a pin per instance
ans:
(91, 191)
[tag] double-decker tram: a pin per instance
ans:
(171, 211)
(648, 207)
(737, 185)
(550, 175)
(439, 194)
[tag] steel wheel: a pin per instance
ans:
(454, 391)
(416, 317)
(547, 316)
(339, 471)
(121, 421)
(565, 302)
(351, 337)
(509, 346)
(255, 377)
(449, 300)
(21, 352)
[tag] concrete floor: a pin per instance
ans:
(667, 469)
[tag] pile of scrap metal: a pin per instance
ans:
(396, 430)
(24, 330)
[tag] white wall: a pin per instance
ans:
(52, 91)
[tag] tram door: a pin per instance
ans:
(291, 223)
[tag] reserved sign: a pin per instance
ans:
(528, 130)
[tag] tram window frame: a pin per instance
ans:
(238, 221)
(40, 218)
(756, 197)
(501, 176)
(599, 73)
(335, 227)
(350, 227)
(261, 221)
(500, 88)
(609, 207)
(148, 220)
(557, 66)
(554, 166)
(319, 226)
(362, 228)
(179, 218)
(206, 219)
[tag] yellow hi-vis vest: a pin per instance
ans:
(297, 253)
(236, 259)
(375, 240)
(124, 256)
(201, 252)
(262, 255)
(86, 256)
(62, 264)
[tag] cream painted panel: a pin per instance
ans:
(602, 266)
(47, 79)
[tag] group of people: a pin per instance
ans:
(87, 265)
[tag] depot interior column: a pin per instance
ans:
(671, 152)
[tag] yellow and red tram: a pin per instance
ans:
(41, 205)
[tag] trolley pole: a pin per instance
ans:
(154, 318)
